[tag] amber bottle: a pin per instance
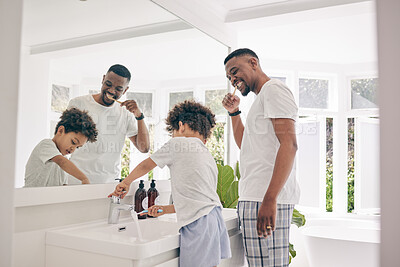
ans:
(140, 195)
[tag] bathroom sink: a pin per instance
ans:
(101, 244)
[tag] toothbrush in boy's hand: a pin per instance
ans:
(145, 211)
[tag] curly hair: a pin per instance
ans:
(198, 117)
(78, 121)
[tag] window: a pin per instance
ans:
(313, 93)
(364, 93)
(59, 98)
(177, 97)
(144, 101)
(213, 100)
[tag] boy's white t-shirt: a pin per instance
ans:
(260, 144)
(40, 170)
(100, 161)
(194, 177)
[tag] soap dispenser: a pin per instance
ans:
(152, 195)
(140, 195)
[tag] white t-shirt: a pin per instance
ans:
(40, 170)
(194, 177)
(260, 144)
(100, 161)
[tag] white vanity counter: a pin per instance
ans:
(101, 244)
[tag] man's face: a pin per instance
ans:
(238, 71)
(113, 86)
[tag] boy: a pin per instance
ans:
(204, 240)
(47, 165)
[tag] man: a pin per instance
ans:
(268, 188)
(100, 161)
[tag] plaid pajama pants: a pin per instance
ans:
(267, 252)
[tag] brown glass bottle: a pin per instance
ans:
(152, 195)
(140, 195)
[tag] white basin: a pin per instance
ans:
(160, 242)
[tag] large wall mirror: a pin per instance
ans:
(67, 47)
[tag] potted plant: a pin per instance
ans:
(227, 189)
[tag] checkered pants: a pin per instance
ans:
(268, 252)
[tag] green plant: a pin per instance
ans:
(227, 189)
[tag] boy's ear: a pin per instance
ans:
(61, 129)
(181, 127)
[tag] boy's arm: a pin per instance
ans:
(123, 187)
(153, 210)
(70, 168)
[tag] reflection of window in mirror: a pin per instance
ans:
(177, 97)
(144, 101)
(59, 98)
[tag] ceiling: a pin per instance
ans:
(339, 34)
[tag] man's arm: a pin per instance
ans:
(141, 141)
(231, 104)
(70, 168)
(285, 132)
(238, 129)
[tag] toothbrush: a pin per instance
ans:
(233, 94)
(158, 211)
(110, 97)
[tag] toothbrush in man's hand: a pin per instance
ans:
(112, 98)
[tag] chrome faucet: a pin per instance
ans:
(115, 207)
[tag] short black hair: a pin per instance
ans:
(121, 71)
(78, 121)
(198, 117)
(240, 52)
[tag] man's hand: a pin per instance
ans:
(266, 218)
(132, 106)
(231, 103)
(120, 190)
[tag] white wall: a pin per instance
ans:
(389, 69)
(10, 32)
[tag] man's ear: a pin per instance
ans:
(102, 80)
(126, 89)
(253, 62)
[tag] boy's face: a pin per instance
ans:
(68, 142)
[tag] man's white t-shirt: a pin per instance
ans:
(260, 144)
(40, 170)
(100, 161)
(194, 177)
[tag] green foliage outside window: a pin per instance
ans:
(125, 159)
(215, 143)
(329, 165)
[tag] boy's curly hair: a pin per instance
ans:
(78, 121)
(198, 117)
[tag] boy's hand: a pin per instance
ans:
(153, 210)
(85, 181)
(120, 190)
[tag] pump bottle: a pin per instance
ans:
(140, 195)
(152, 195)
